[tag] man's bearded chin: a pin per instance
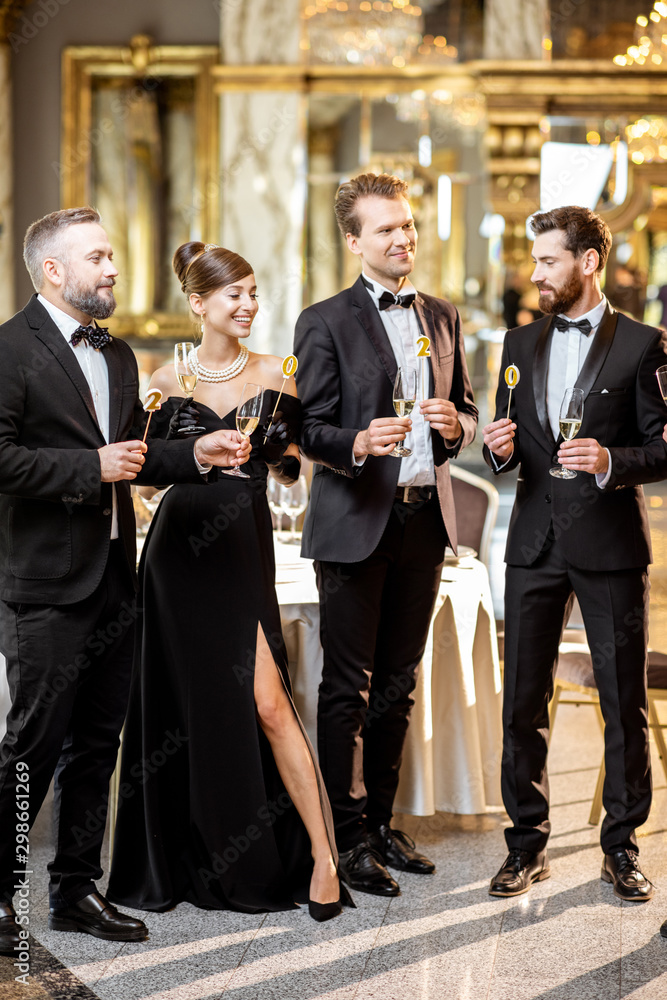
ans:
(91, 303)
(564, 297)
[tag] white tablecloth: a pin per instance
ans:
(454, 744)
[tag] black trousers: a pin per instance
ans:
(614, 605)
(374, 619)
(68, 669)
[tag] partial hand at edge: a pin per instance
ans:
(381, 435)
(584, 455)
(122, 460)
(499, 438)
(443, 417)
(223, 448)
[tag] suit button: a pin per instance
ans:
(106, 511)
(547, 497)
(554, 458)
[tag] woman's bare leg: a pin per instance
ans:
(295, 765)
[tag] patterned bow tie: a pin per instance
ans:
(96, 336)
(387, 299)
(583, 326)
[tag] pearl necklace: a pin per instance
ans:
(222, 374)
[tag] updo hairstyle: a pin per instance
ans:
(202, 271)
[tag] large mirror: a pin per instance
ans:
(140, 144)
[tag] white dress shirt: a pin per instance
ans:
(569, 349)
(95, 371)
(403, 330)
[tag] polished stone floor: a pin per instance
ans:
(569, 938)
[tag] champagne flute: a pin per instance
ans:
(186, 374)
(248, 412)
(661, 375)
(294, 502)
(275, 498)
(405, 395)
(569, 421)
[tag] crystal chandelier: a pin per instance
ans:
(371, 33)
(650, 46)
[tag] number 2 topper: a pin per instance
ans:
(512, 376)
(424, 352)
(289, 366)
(152, 402)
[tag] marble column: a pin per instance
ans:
(7, 308)
(517, 29)
(263, 165)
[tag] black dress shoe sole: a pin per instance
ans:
(408, 868)
(9, 948)
(539, 877)
(57, 923)
(372, 890)
(608, 877)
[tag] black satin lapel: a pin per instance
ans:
(372, 324)
(540, 371)
(599, 349)
(115, 388)
(52, 338)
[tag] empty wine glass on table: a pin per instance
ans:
(248, 412)
(569, 422)
(275, 499)
(405, 394)
(294, 502)
(186, 375)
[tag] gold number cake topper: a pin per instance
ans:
(512, 376)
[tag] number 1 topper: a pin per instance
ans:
(152, 403)
(289, 366)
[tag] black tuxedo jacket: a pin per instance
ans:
(623, 410)
(345, 379)
(55, 513)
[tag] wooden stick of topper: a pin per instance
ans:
(290, 365)
(512, 376)
(152, 403)
(424, 352)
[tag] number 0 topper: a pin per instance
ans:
(290, 365)
(152, 403)
(512, 376)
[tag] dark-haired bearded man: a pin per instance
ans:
(585, 537)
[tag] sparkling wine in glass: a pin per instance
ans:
(405, 395)
(186, 375)
(569, 421)
(248, 412)
(661, 375)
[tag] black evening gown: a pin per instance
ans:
(203, 815)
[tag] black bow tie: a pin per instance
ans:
(583, 326)
(387, 299)
(96, 336)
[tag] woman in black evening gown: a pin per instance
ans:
(221, 803)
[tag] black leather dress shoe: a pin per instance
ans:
(94, 915)
(518, 872)
(363, 869)
(9, 931)
(398, 851)
(622, 869)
